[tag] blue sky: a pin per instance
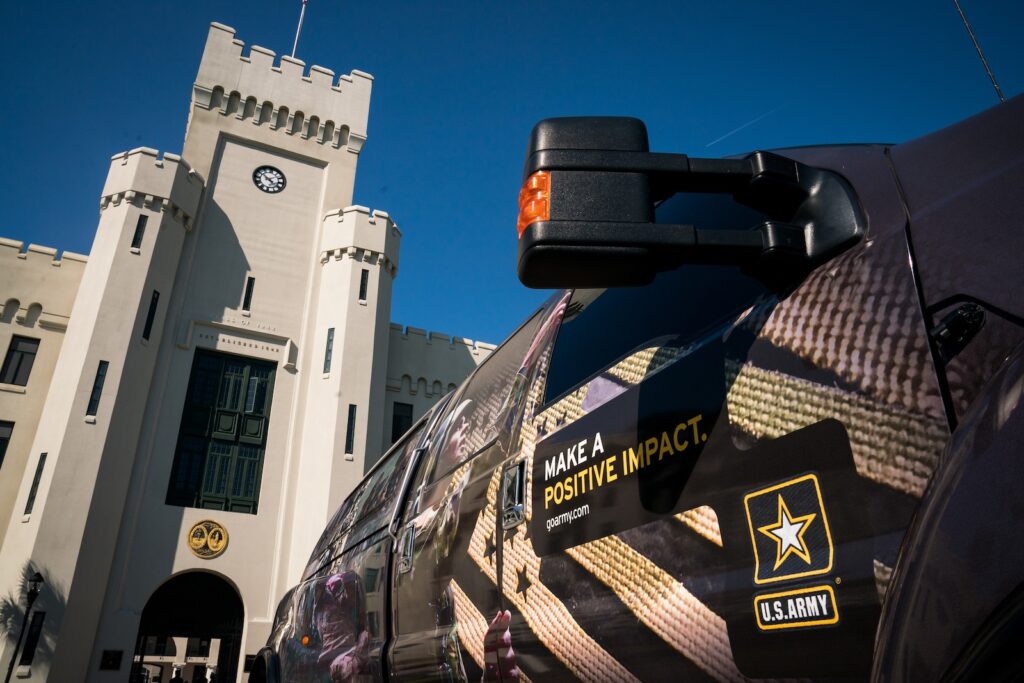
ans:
(458, 87)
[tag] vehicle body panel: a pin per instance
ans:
(960, 563)
(721, 467)
(832, 381)
(963, 193)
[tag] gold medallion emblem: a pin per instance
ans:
(207, 539)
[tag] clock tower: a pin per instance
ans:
(225, 371)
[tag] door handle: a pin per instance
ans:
(513, 487)
(406, 546)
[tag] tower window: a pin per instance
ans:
(35, 630)
(329, 350)
(140, 231)
(247, 299)
(350, 431)
(6, 429)
(31, 502)
(151, 315)
(364, 281)
(97, 388)
(401, 420)
(218, 460)
(21, 355)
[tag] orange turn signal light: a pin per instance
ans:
(305, 641)
(534, 200)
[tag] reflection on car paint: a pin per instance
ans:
(739, 460)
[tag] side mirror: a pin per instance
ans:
(586, 215)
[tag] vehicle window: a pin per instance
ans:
(369, 506)
(473, 412)
(602, 327)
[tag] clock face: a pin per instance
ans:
(268, 179)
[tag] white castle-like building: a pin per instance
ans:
(224, 355)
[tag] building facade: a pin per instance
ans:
(182, 410)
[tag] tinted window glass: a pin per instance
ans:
(601, 327)
(151, 315)
(6, 429)
(21, 354)
(30, 503)
(473, 412)
(97, 388)
(401, 420)
(140, 231)
(368, 507)
(350, 430)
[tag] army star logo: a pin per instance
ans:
(789, 530)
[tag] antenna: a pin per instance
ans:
(298, 29)
(977, 47)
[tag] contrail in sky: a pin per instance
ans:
(748, 123)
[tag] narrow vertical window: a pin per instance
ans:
(35, 629)
(21, 355)
(31, 502)
(140, 231)
(247, 300)
(364, 281)
(350, 432)
(6, 429)
(401, 420)
(151, 315)
(97, 388)
(329, 350)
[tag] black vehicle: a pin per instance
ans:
(772, 429)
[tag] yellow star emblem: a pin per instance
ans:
(788, 534)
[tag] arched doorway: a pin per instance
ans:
(192, 623)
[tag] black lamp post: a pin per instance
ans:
(34, 583)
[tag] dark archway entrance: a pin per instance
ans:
(194, 619)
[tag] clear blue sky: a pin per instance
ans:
(458, 87)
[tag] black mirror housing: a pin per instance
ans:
(599, 230)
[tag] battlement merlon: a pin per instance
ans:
(35, 254)
(35, 276)
(165, 182)
(360, 232)
(439, 339)
(344, 100)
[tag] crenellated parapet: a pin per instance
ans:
(358, 233)
(440, 339)
(145, 179)
(429, 364)
(38, 286)
(281, 94)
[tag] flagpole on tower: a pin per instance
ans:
(298, 30)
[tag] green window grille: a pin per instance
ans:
(218, 461)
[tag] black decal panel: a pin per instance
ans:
(626, 463)
(797, 555)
